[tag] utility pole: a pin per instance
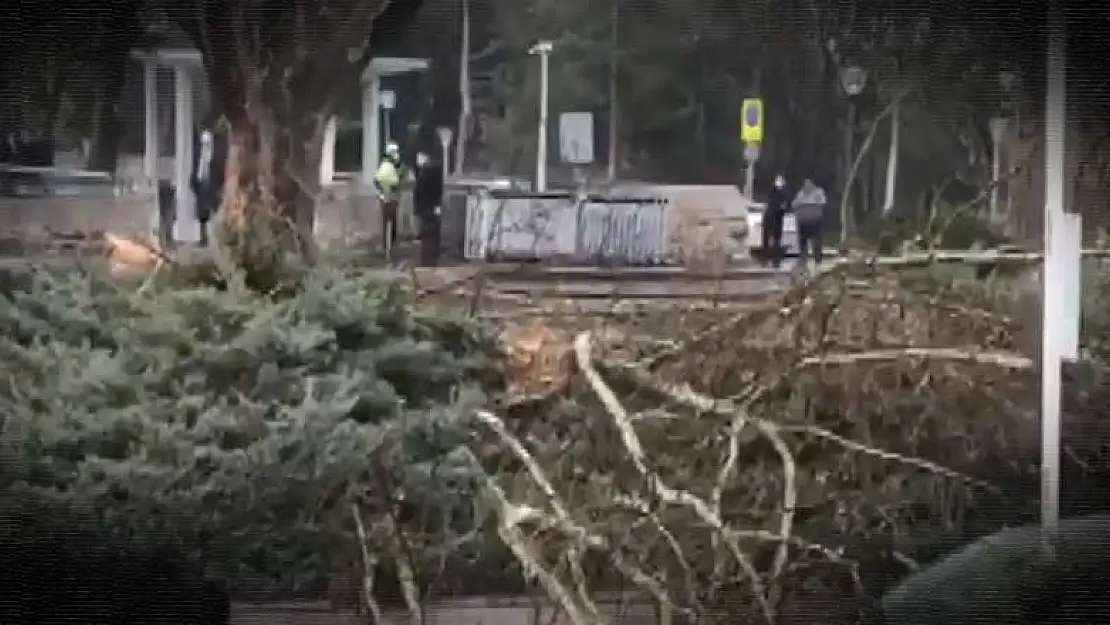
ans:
(466, 109)
(614, 74)
(543, 49)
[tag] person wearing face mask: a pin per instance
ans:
(777, 205)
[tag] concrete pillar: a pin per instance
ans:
(371, 128)
(186, 229)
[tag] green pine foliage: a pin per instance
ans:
(248, 423)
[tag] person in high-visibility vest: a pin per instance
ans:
(387, 181)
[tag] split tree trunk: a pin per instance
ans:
(272, 183)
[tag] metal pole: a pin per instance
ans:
(614, 75)
(1053, 339)
(749, 181)
(541, 143)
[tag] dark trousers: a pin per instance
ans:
(809, 239)
(206, 212)
(167, 213)
(389, 225)
(772, 237)
(429, 238)
(208, 198)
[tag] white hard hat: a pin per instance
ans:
(392, 148)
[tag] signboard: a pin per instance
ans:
(751, 121)
(576, 138)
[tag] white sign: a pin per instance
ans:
(576, 138)
(389, 100)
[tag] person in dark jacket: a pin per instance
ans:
(427, 199)
(207, 181)
(777, 205)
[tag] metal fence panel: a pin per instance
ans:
(626, 231)
(547, 226)
(520, 227)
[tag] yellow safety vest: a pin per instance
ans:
(389, 179)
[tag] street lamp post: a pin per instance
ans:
(543, 49)
(853, 80)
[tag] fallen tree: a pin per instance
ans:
(769, 466)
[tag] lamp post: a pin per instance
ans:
(445, 134)
(853, 80)
(543, 49)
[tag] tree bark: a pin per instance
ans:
(271, 185)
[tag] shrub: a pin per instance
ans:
(249, 424)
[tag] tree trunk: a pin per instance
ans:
(272, 182)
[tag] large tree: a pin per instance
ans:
(273, 68)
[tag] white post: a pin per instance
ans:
(543, 49)
(890, 192)
(186, 229)
(371, 128)
(327, 157)
(151, 151)
(1055, 342)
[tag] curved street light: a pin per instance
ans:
(853, 80)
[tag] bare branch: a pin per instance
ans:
(688, 397)
(369, 563)
(1000, 359)
(635, 450)
(564, 521)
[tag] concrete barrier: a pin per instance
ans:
(344, 216)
